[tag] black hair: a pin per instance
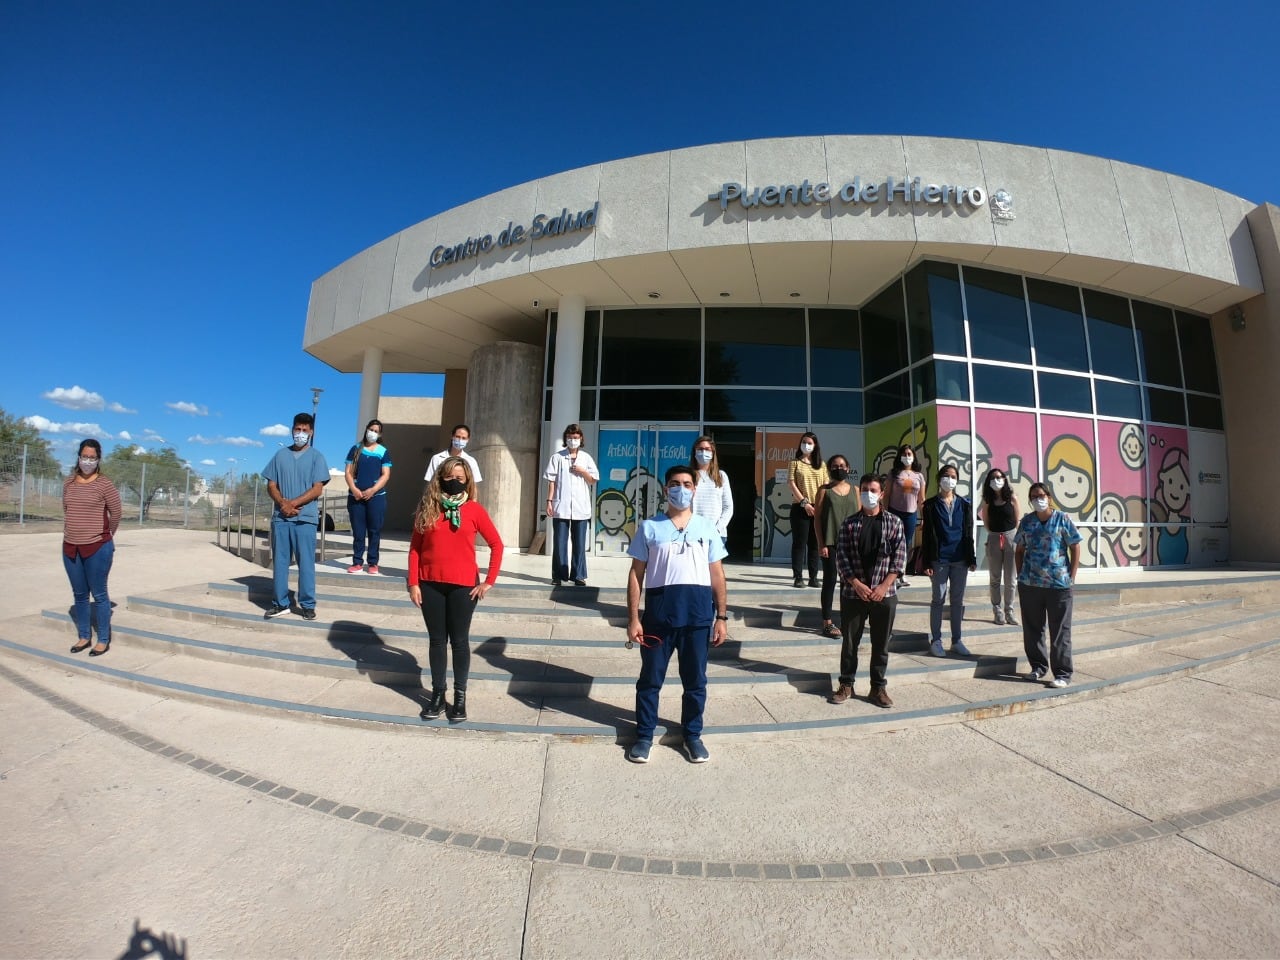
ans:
(304, 420)
(366, 429)
(816, 456)
(678, 468)
(898, 465)
(871, 478)
(942, 470)
(989, 496)
(1031, 491)
(460, 426)
(571, 428)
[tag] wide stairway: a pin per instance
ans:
(552, 662)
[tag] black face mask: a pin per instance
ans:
(839, 474)
(453, 486)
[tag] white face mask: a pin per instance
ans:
(806, 448)
(947, 484)
(573, 443)
(997, 483)
(88, 465)
(301, 439)
(870, 500)
(1040, 504)
(908, 460)
(704, 456)
(459, 443)
(371, 436)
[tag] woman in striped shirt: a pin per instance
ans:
(91, 516)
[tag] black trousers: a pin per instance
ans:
(830, 580)
(854, 614)
(804, 543)
(447, 610)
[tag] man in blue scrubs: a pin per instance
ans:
(295, 479)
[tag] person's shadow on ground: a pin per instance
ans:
(385, 665)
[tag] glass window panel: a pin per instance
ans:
(1204, 412)
(837, 406)
(757, 406)
(1061, 392)
(1058, 325)
(884, 335)
(1166, 406)
(644, 347)
(649, 406)
(759, 346)
(924, 387)
(590, 351)
(835, 348)
(546, 405)
(551, 351)
(1003, 385)
(935, 313)
(1157, 344)
(952, 379)
(1118, 399)
(588, 405)
(997, 315)
(1110, 335)
(887, 398)
(1199, 362)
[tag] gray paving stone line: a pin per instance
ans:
(659, 866)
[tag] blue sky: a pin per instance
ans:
(176, 175)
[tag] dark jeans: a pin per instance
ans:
(909, 521)
(830, 580)
(854, 614)
(446, 610)
(804, 543)
(366, 520)
(88, 576)
(1041, 605)
(560, 549)
(692, 644)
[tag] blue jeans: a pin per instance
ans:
(560, 549)
(290, 538)
(948, 577)
(88, 575)
(693, 644)
(366, 520)
(909, 521)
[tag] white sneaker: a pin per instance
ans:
(1058, 682)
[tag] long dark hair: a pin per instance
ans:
(898, 465)
(361, 441)
(815, 458)
(832, 459)
(97, 448)
(989, 496)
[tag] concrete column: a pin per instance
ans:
(566, 391)
(453, 410)
(1247, 364)
(504, 410)
(370, 388)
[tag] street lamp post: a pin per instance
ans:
(315, 404)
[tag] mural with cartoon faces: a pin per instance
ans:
(615, 523)
(902, 432)
(956, 448)
(1069, 472)
(777, 511)
(1133, 452)
(1171, 500)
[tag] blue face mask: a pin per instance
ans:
(680, 497)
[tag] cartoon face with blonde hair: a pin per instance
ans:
(1070, 473)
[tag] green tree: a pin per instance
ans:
(164, 473)
(14, 434)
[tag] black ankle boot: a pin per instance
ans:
(435, 704)
(458, 712)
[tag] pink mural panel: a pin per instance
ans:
(1122, 457)
(1007, 439)
(1070, 465)
(1169, 493)
(955, 443)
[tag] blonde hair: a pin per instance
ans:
(428, 510)
(1074, 453)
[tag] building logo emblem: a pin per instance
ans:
(1002, 205)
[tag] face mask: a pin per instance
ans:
(704, 456)
(1040, 504)
(908, 460)
(459, 443)
(371, 436)
(947, 484)
(301, 439)
(997, 483)
(88, 465)
(870, 500)
(839, 474)
(453, 486)
(806, 448)
(573, 443)
(680, 497)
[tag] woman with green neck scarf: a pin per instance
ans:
(444, 578)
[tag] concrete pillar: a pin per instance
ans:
(1247, 364)
(453, 410)
(370, 388)
(504, 410)
(566, 390)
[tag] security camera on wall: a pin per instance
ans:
(535, 304)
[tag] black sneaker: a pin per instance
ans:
(275, 611)
(308, 613)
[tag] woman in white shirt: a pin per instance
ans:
(570, 475)
(712, 498)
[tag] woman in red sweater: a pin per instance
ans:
(91, 516)
(444, 579)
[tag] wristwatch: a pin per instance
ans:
(724, 617)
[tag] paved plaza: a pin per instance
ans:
(230, 790)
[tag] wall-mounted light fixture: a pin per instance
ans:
(654, 295)
(1237, 319)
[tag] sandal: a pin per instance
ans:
(82, 646)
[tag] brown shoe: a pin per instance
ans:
(881, 698)
(843, 694)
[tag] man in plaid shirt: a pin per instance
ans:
(871, 554)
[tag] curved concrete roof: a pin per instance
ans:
(659, 229)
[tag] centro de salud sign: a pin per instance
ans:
(543, 225)
(855, 191)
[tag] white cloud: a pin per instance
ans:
(124, 435)
(276, 430)
(139, 449)
(335, 472)
(195, 409)
(151, 436)
(229, 441)
(208, 463)
(45, 425)
(75, 398)
(115, 407)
